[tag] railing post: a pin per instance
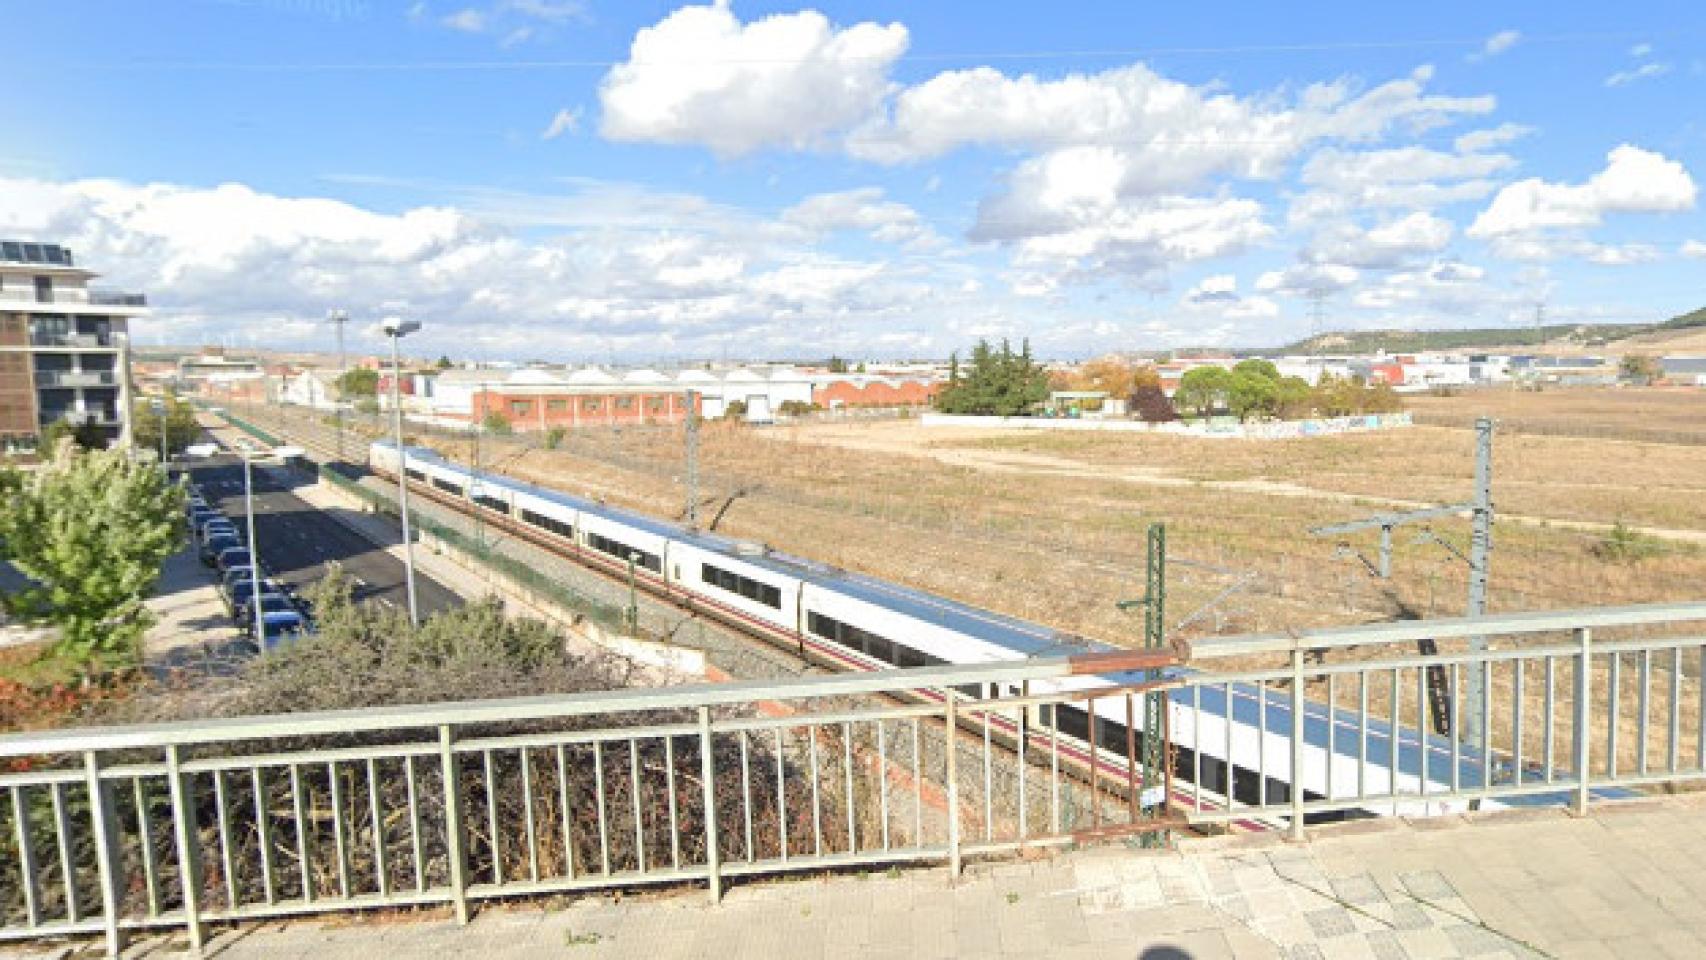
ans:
(1297, 743)
(1584, 717)
(453, 833)
(950, 730)
(189, 849)
(101, 819)
(708, 773)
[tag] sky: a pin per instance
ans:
(639, 182)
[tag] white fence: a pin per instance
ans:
(1230, 429)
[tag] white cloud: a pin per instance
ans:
(1134, 239)
(1215, 288)
(861, 209)
(1304, 279)
(1645, 71)
(1386, 245)
(1215, 298)
(649, 274)
(550, 11)
(1633, 181)
(565, 121)
(1640, 50)
(1477, 140)
(1500, 42)
(467, 20)
(700, 76)
(1694, 249)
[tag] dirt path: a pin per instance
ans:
(909, 438)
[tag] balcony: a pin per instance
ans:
(76, 378)
(95, 297)
(90, 341)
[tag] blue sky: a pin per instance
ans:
(659, 182)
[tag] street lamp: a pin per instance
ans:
(396, 328)
(159, 407)
(249, 454)
(338, 318)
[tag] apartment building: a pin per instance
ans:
(63, 345)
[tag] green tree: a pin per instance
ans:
(1203, 390)
(1252, 394)
(496, 423)
(1258, 367)
(86, 434)
(998, 383)
(443, 363)
(181, 426)
(1294, 399)
(358, 383)
(554, 437)
(736, 410)
(91, 529)
(1640, 368)
(837, 365)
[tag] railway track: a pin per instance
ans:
(1117, 778)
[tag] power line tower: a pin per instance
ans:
(1539, 322)
(1153, 799)
(1317, 321)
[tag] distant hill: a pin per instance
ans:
(1552, 336)
(1688, 321)
(1415, 341)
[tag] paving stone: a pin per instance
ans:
(1358, 890)
(1331, 922)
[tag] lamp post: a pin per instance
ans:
(254, 547)
(396, 328)
(160, 408)
(338, 318)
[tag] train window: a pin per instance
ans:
(447, 486)
(743, 586)
(621, 551)
(543, 522)
(869, 643)
(1075, 722)
(414, 474)
(491, 503)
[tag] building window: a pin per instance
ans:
(624, 403)
(622, 552)
(557, 406)
(656, 404)
(520, 408)
(589, 405)
(744, 586)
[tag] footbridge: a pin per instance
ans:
(191, 827)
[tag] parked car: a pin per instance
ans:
(235, 555)
(214, 546)
(213, 528)
(282, 628)
(271, 602)
(202, 450)
(240, 591)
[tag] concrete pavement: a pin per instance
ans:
(1626, 881)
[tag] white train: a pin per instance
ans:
(851, 621)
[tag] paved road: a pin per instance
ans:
(298, 540)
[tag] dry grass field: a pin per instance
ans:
(1669, 415)
(1051, 526)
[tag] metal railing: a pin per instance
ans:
(94, 297)
(1560, 706)
(76, 378)
(114, 830)
(86, 340)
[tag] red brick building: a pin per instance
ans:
(875, 392)
(538, 408)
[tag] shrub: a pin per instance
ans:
(1625, 544)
